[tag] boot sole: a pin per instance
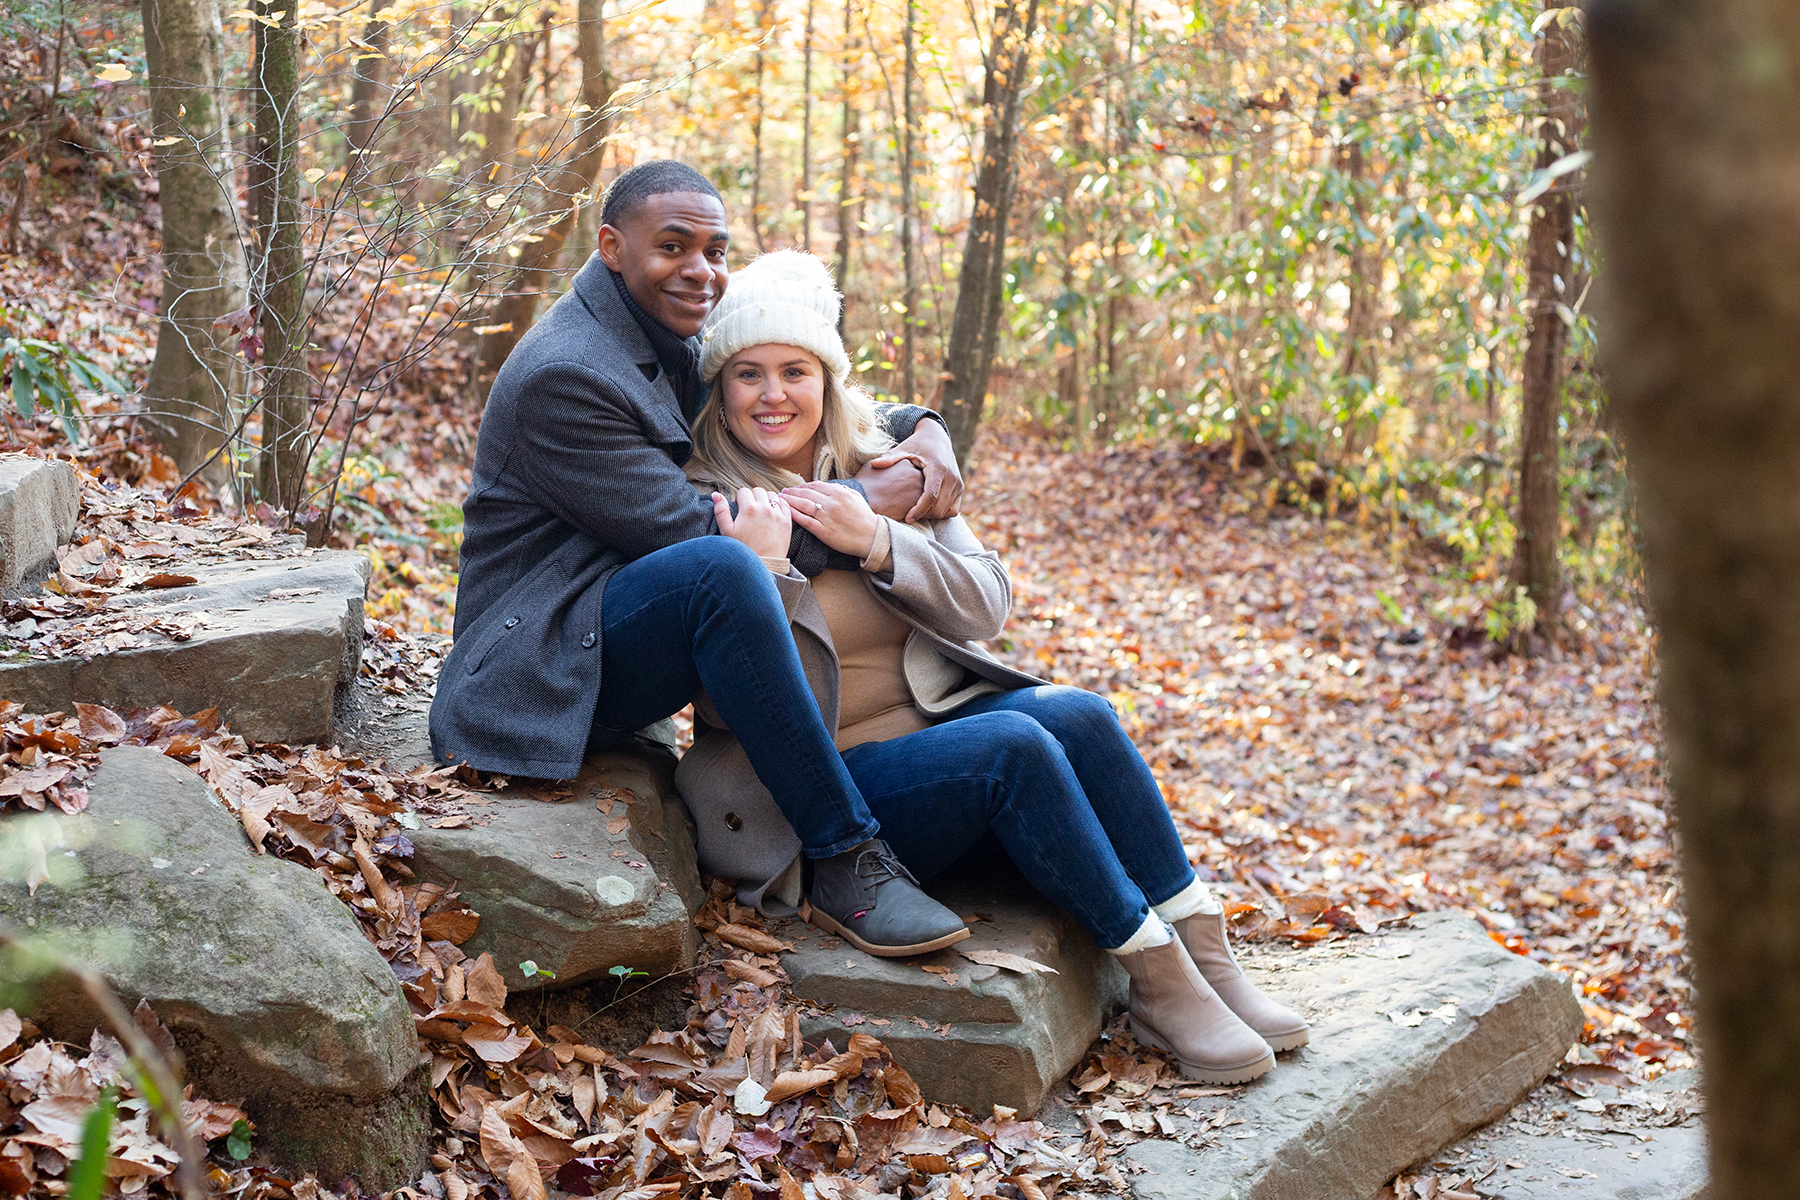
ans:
(1254, 1069)
(827, 923)
(1281, 1042)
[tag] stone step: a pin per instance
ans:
(262, 975)
(993, 1036)
(39, 501)
(1645, 1143)
(598, 874)
(1419, 1035)
(276, 643)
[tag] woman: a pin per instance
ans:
(946, 744)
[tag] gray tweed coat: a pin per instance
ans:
(954, 594)
(577, 472)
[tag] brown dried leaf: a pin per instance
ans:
(1007, 962)
(754, 940)
(743, 971)
(100, 725)
(484, 983)
(453, 925)
(792, 1083)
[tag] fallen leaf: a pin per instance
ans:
(1007, 961)
(485, 984)
(792, 1083)
(745, 938)
(100, 725)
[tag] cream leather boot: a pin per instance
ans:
(1174, 1010)
(1204, 936)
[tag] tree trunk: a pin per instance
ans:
(975, 325)
(367, 71)
(1363, 281)
(197, 370)
(847, 207)
(572, 186)
(805, 196)
(756, 166)
(1535, 566)
(909, 230)
(280, 281)
(1697, 197)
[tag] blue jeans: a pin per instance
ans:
(1050, 772)
(705, 614)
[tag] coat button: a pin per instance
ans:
(587, 642)
(511, 621)
(733, 822)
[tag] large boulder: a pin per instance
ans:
(273, 642)
(970, 1033)
(578, 878)
(39, 501)
(262, 975)
(1418, 1036)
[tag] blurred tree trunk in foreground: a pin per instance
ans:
(368, 68)
(1535, 565)
(280, 279)
(1697, 195)
(981, 285)
(197, 369)
(536, 271)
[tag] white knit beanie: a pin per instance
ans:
(786, 298)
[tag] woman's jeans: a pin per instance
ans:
(705, 614)
(1050, 772)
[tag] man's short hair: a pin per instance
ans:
(654, 178)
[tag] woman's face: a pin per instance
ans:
(774, 401)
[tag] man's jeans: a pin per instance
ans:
(1050, 772)
(705, 614)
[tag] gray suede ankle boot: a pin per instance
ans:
(1204, 936)
(1174, 1010)
(867, 897)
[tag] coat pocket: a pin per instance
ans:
(488, 639)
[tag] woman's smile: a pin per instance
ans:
(774, 400)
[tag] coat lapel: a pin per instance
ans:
(594, 285)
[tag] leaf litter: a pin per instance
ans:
(734, 1103)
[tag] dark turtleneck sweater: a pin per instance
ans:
(678, 357)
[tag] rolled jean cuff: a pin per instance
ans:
(872, 829)
(1194, 898)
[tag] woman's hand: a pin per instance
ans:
(763, 522)
(837, 516)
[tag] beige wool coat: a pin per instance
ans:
(954, 594)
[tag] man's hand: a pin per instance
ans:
(941, 494)
(894, 483)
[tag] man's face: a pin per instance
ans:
(671, 253)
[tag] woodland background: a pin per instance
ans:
(1337, 243)
(1263, 329)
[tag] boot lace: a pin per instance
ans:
(877, 865)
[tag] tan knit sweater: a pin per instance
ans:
(874, 701)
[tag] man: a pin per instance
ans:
(593, 602)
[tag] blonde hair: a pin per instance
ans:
(849, 435)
